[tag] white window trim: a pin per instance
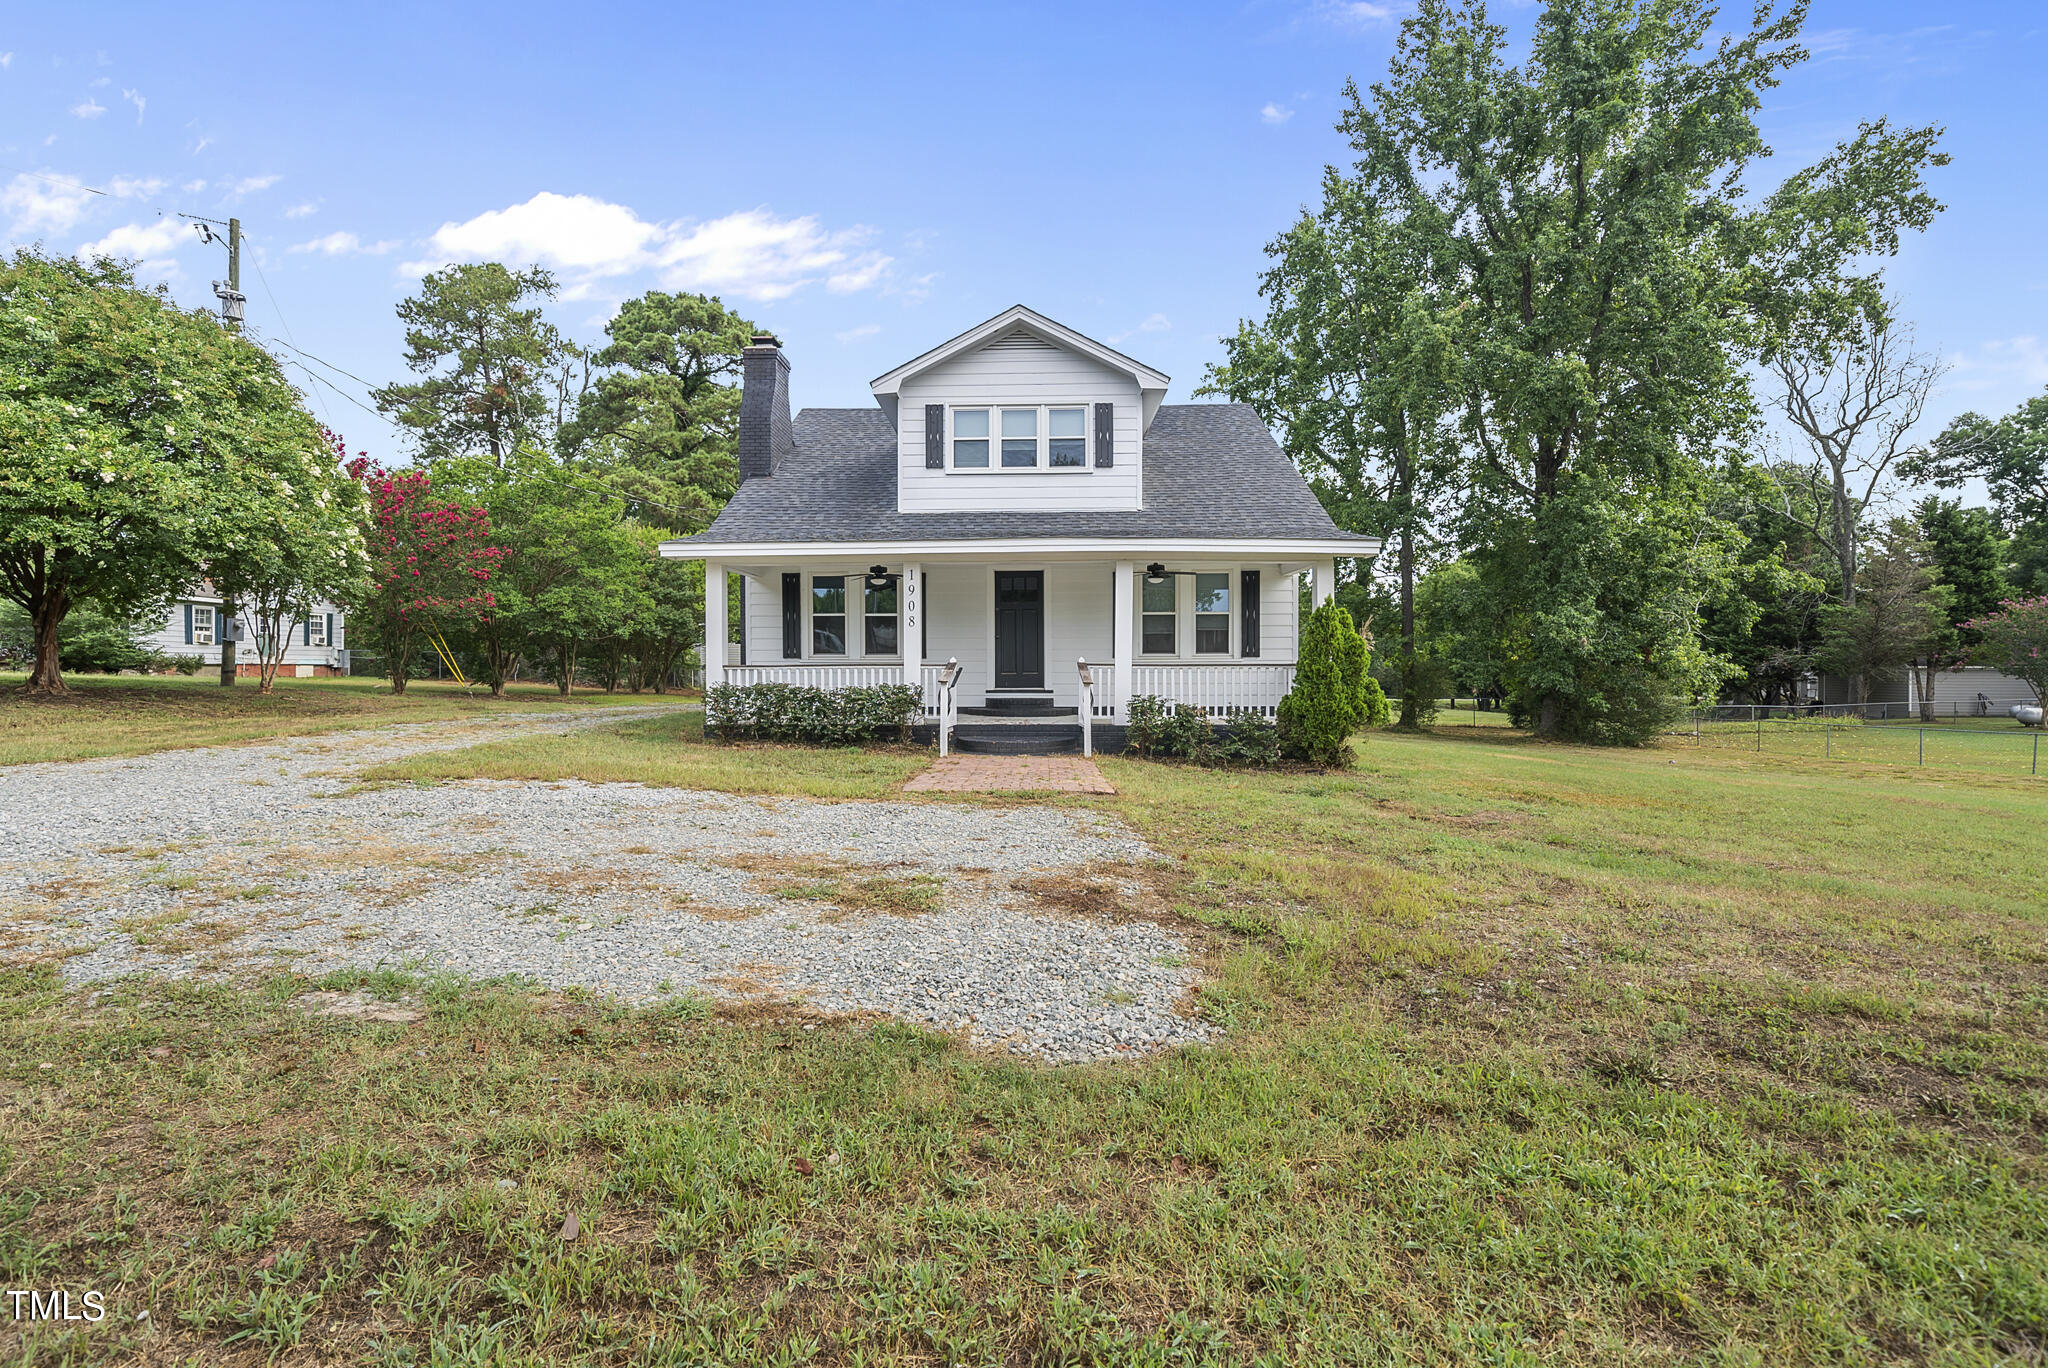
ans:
(1184, 618)
(995, 465)
(856, 620)
(317, 631)
(203, 636)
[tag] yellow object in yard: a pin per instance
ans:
(447, 658)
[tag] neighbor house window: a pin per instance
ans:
(1156, 618)
(1067, 436)
(1020, 438)
(828, 615)
(316, 630)
(970, 439)
(879, 617)
(202, 625)
(1212, 614)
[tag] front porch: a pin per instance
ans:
(1050, 635)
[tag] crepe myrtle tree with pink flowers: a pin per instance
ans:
(2016, 643)
(431, 561)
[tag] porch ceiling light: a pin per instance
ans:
(1155, 572)
(878, 577)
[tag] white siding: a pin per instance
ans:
(170, 637)
(956, 606)
(1020, 375)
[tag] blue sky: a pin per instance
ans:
(867, 181)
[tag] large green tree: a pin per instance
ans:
(1354, 367)
(138, 441)
(1899, 614)
(1611, 279)
(2010, 455)
(1966, 556)
(662, 419)
(490, 364)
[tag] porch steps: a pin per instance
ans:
(1019, 702)
(1017, 738)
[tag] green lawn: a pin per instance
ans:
(126, 715)
(1535, 1054)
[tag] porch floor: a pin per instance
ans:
(1010, 774)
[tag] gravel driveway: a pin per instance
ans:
(224, 860)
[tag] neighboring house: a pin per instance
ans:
(1019, 499)
(1973, 690)
(195, 623)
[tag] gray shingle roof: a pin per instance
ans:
(1211, 470)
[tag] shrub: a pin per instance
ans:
(1159, 726)
(789, 712)
(92, 642)
(184, 664)
(1245, 738)
(1330, 698)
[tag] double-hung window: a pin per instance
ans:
(316, 629)
(828, 615)
(1212, 614)
(1156, 616)
(879, 616)
(970, 439)
(202, 624)
(1067, 438)
(1020, 439)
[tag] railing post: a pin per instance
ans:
(1087, 700)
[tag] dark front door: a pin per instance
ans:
(1020, 629)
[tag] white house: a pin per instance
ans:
(196, 623)
(1019, 499)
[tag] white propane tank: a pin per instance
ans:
(2027, 714)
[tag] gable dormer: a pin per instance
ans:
(1020, 413)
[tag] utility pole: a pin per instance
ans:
(233, 304)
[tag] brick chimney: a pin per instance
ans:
(765, 433)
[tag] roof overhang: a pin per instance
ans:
(1060, 548)
(1151, 383)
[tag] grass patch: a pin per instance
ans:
(122, 715)
(1537, 1054)
(670, 751)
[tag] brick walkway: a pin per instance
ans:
(1010, 774)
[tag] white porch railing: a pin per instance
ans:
(1087, 700)
(838, 677)
(1216, 689)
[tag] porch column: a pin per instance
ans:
(910, 603)
(715, 629)
(1325, 582)
(1122, 627)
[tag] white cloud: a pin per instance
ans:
(1275, 114)
(752, 253)
(1350, 14)
(200, 146)
(36, 204)
(1153, 323)
(249, 185)
(150, 243)
(193, 187)
(89, 109)
(2001, 364)
(98, 81)
(856, 334)
(130, 187)
(302, 210)
(136, 98)
(344, 244)
(6, 60)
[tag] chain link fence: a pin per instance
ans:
(1876, 733)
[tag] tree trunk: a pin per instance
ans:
(45, 677)
(1411, 707)
(1546, 716)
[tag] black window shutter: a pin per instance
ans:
(1105, 436)
(1248, 614)
(792, 616)
(934, 436)
(330, 629)
(307, 627)
(188, 624)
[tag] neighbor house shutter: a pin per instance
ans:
(188, 624)
(1105, 436)
(934, 436)
(1248, 614)
(792, 616)
(330, 630)
(306, 629)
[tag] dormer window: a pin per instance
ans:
(1040, 437)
